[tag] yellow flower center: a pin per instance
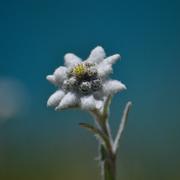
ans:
(79, 70)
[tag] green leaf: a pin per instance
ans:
(103, 153)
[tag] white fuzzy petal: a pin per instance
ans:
(111, 87)
(97, 55)
(104, 69)
(55, 98)
(69, 100)
(71, 60)
(90, 103)
(112, 59)
(99, 105)
(51, 79)
(98, 95)
(60, 74)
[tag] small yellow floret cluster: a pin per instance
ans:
(79, 70)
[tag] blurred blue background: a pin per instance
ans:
(38, 143)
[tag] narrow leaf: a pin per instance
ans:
(122, 125)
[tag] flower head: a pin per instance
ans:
(84, 84)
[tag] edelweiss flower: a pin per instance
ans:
(85, 84)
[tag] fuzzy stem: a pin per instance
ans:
(108, 161)
(110, 168)
(108, 147)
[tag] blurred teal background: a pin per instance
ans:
(38, 143)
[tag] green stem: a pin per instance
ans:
(109, 161)
(109, 168)
(108, 147)
(109, 158)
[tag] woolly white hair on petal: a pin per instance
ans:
(97, 55)
(73, 98)
(104, 69)
(69, 100)
(99, 105)
(51, 79)
(90, 103)
(60, 74)
(71, 59)
(55, 98)
(111, 87)
(112, 59)
(98, 95)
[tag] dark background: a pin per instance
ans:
(38, 143)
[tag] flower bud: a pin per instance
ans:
(96, 84)
(85, 87)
